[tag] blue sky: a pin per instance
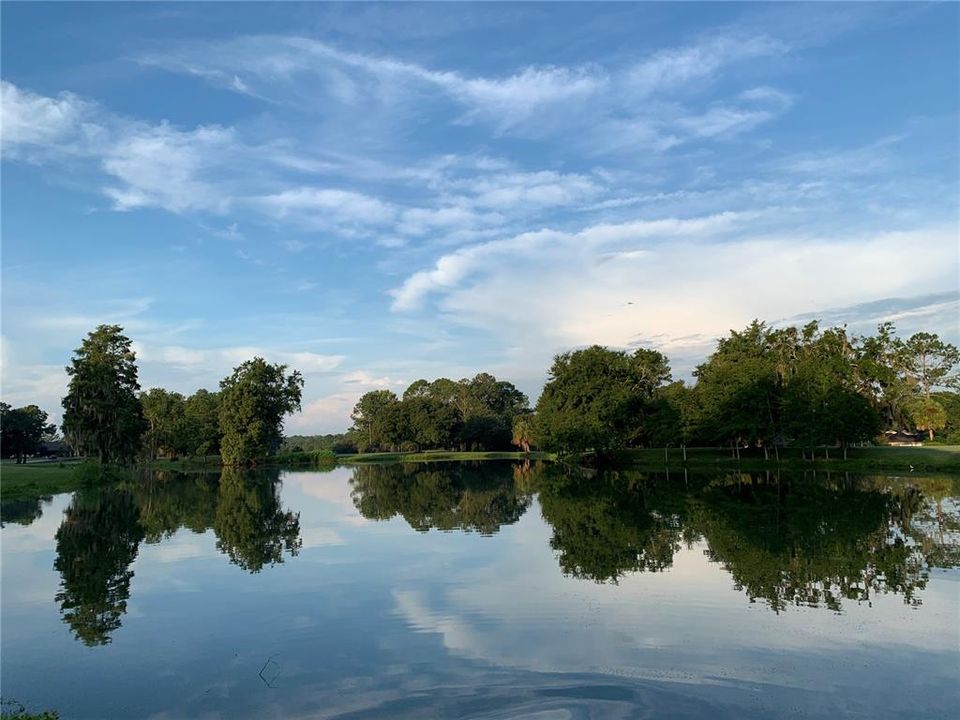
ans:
(379, 193)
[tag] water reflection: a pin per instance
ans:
(102, 529)
(251, 527)
(478, 497)
(96, 544)
(785, 540)
(22, 512)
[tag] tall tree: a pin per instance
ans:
(371, 419)
(102, 414)
(524, 431)
(930, 362)
(596, 398)
(737, 389)
(202, 416)
(166, 423)
(253, 403)
(927, 414)
(22, 431)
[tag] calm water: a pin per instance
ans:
(486, 591)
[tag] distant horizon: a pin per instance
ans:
(374, 194)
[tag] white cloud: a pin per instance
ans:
(164, 167)
(678, 284)
(31, 119)
(326, 206)
(675, 68)
(533, 100)
(538, 248)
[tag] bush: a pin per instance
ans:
(325, 457)
(91, 472)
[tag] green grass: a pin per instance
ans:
(944, 458)
(441, 456)
(33, 479)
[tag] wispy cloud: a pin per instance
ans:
(532, 100)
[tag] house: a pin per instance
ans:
(55, 449)
(899, 438)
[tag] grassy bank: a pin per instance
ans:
(941, 458)
(33, 479)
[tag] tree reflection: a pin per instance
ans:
(251, 527)
(103, 527)
(812, 543)
(786, 541)
(478, 497)
(96, 544)
(22, 512)
(609, 524)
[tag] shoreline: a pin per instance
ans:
(48, 478)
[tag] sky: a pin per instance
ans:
(374, 194)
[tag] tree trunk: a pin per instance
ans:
(931, 434)
(766, 453)
(684, 452)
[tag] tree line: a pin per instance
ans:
(107, 417)
(763, 387)
(468, 414)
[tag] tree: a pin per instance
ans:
(202, 416)
(930, 362)
(524, 431)
(22, 431)
(370, 418)
(595, 398)
(927, 414)
(102, 414)
(880, 365)
(253, 403)
(165, 414)
(822, 404)
(738, 388)
(428, 422)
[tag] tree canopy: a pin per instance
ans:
(23, 430)
(102, 415)
(253, 402)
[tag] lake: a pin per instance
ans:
(493, 590)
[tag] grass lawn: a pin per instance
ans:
(35, 479)
(944, 458)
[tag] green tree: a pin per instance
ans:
(372, 421)
(22, 431)
(102, 414)
(881, 363)
(202, 416)
(595, 398)
(930, 362)
(822, 404)
(927, 414)
(253, 403)
(165, 415)
(428, 422)
(524, 431)
(738, 388)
